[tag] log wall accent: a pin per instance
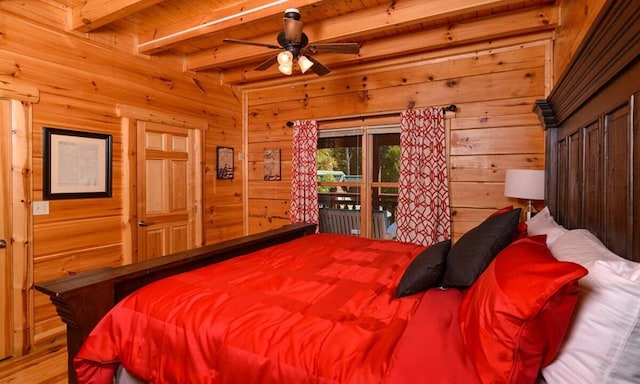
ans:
(493, 129)
(77, 84)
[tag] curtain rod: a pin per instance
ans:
(450, 108)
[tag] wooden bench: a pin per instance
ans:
(347, 222)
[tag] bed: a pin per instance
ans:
(582, 250)
(318, 309)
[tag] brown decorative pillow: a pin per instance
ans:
(425, 271)
(473, 252)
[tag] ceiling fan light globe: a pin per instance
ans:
(304, 63)
(286, 69)
(285, 58)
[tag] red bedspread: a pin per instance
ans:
(320, 309)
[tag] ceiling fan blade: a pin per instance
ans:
(246, 42)
(267, 64)
(351, 48)
(293, 30)
(319, 68)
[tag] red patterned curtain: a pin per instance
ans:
(304, 182)
(422, 214)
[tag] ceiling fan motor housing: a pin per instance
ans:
(290, 46)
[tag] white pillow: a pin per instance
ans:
(582, 247)
(602, 344)
(544, 224)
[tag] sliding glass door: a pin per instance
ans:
(351, 161)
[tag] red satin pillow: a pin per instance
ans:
(514, 317)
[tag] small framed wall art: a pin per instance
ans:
(224, 163)
(271, 160)
(76, 165)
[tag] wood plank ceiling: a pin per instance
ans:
(193, 30)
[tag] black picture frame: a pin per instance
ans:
(77, 164)
(224, 163)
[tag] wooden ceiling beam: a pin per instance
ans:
(166, 37)
(369, 21)
(93, 14)
(519, 23)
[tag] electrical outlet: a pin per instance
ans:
(40, 208)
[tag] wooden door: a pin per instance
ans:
(5, 230)
(167, 179)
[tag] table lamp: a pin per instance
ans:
(525, 184)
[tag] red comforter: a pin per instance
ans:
(320, 309)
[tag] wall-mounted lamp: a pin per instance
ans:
(525, 184)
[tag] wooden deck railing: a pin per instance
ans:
(347, 222)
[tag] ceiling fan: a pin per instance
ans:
(294, 46)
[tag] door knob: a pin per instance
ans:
(3, 243)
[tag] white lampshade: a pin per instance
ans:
(304, 63)
(524, 184)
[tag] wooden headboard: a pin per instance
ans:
(592, 120)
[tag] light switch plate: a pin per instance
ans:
(40, 208)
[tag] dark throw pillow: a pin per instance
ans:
(425, 271)
(521, 229)
(473, 252)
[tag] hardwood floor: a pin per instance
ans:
(39, 367)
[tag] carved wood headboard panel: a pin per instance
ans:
(592, 121)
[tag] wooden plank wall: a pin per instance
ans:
(576, 16)
(81, 83)
(493, 129)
